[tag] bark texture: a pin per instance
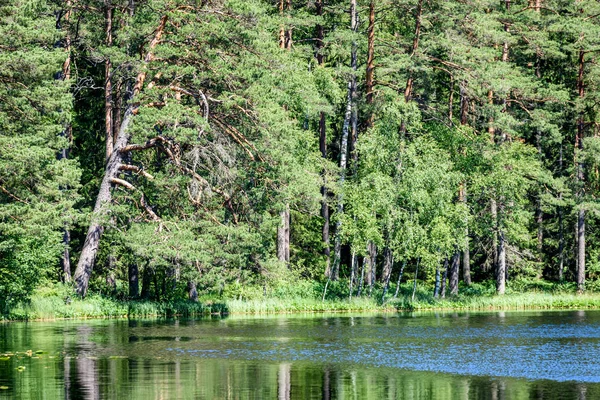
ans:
(453, 272)
(87, 259)
(134, 280)
(344, 144)
(501, 269)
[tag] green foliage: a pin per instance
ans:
(473, 104)
(39, 190)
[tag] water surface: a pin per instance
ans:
(512, 355)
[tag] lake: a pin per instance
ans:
(495, 355)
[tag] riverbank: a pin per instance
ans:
(53, 307)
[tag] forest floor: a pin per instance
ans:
(53, 306)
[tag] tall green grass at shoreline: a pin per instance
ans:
(53, 305)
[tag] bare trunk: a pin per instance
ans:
(580, 181)
(325, 231)
(415, 46)
(192, 291)
(283, 236)
(147, 278)
(581, 251)
(561, 246)
(362, 277)
(344, 146)
(87, 259)
(494, 214)
(453, 281)
(491, 129)
(323, 148)
(353, 272)
(436, 287)
(66, 133)
(371, 275)
(370, 60)
(444, 278)
(134, 280)
(288, 33)
(501, 268)
(388, 261)
(387, 265)
(66, 258)
(561, 229)
(464, 105)
(108, 100)
(415, 280)
(539, 214)
(451, 99)
(399, 279)
(466, 259)
(282, 26)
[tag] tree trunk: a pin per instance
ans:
(494, 215)
(561, 229)
(353, 271)
(539, 214)
(87, 259)
(192, 291)
(66, 258)
(147, 278)
(134, 280)
(501, 268)
(444, 279)
(372, 257)
(580, 181)
(66, 133)
(464, 105)
(282, 31)
(369, 80)
(283, 236)
(415, 46)
(387, 265)
(344, 145)
(108, 100)
(362, 277)
(581, 251)
(466, 259)
(388, 261)
(453, 281)
(436, 287)
(451, 98)
(288, 34)
(415, 281)
(323, 148)
(399, 279)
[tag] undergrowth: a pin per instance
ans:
(60, 302)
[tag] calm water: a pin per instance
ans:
(533, 355)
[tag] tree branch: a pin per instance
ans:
(137, 170)
(123, 183)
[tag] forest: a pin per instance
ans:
(177, 149)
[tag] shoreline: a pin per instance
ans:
(46, 309)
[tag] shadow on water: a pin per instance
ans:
(429, 356)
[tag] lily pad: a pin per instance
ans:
(3, 387)
(4, 358)
(20, 368)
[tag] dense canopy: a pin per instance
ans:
(165, 149)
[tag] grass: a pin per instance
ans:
(51, 304)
